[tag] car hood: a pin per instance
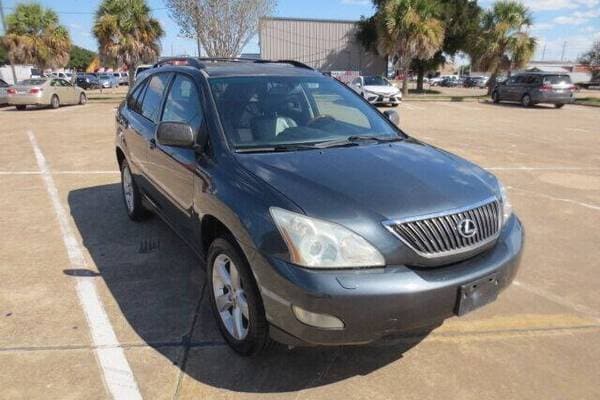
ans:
(383, 181)
(385, 90)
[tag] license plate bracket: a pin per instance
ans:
(477, 294)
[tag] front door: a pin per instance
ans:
(174, 168)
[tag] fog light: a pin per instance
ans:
(322, 321)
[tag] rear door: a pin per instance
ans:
(70, 93)
(173, 168)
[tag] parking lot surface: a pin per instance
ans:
(93, 306)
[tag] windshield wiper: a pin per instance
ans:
(355, 140)
(277, 148)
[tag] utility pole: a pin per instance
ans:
(562, 56)
(544, 52)
(12, 67)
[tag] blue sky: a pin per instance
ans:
(574, 22)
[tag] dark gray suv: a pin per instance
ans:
(536, 87)
(320, 222)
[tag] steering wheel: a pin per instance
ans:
(320, 121)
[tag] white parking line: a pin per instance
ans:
(59, 172)
(564, 200)
(115, 368)
(542, 169)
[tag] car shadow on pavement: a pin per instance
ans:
(158, 284)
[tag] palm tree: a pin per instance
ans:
(127, 34)
(504, 43)
(35, 36)
(408, 30)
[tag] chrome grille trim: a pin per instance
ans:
(436, 235)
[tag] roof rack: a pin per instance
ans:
(197, 62)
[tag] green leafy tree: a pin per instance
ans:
(127, 34)
(80, 58)
(504, 43)
(35, 36)
(408, 30)
(461, 23)
(3, 53)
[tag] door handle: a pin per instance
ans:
(152, 144)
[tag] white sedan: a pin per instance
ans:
(377, 90)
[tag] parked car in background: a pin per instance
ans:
(3, 94)
(107, 80)
(451, 81)
(377, 90)
(436, 81)
(122, 78)
(52, 92)
(62, 75)
(87, 81)
(536, 87)
(319, 221)
(476, 82)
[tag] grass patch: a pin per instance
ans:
(589, 101)
(424, 91)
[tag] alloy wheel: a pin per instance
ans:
(128, 189)
(230, 298)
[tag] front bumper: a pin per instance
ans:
(374, 304)
(383, 99)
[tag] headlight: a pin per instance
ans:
(319, 244)
(506, 206)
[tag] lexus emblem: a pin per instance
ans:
(467, 228)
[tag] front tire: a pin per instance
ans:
(21, 107)
(526, 100)
(131, 195)
(82, 99)
(235, 300)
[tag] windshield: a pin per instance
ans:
(272, 110)
(32, 82)
(557, 79)
(376, 81)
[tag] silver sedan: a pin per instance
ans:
(52, 92)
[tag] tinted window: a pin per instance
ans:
(557, 79)
(133, 102)
(153, 96)
(32, 82)
(2, 83)
(183, 101)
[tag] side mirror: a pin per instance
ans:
(393, 116)
(176, 134)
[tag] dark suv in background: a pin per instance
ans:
(319, 220)
(536, 87)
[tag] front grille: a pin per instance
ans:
(438, 235)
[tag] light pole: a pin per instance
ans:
(12, 67)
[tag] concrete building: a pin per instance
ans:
(327, 45)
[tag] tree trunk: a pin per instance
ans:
(130, 75)
(492, 82)
(404, 81)
(420, 75)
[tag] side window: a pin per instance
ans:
(65, 83)
(54, 82)
(133, 102)
(153, 96)
(183, 101)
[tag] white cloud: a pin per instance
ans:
(542, 26)
(547, 5)
(576, 18)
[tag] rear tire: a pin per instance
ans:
(131, 195)
(54, 102)
(495, 97)
(239, 299)
(526, 100)
(21, 107)
(559, 105)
